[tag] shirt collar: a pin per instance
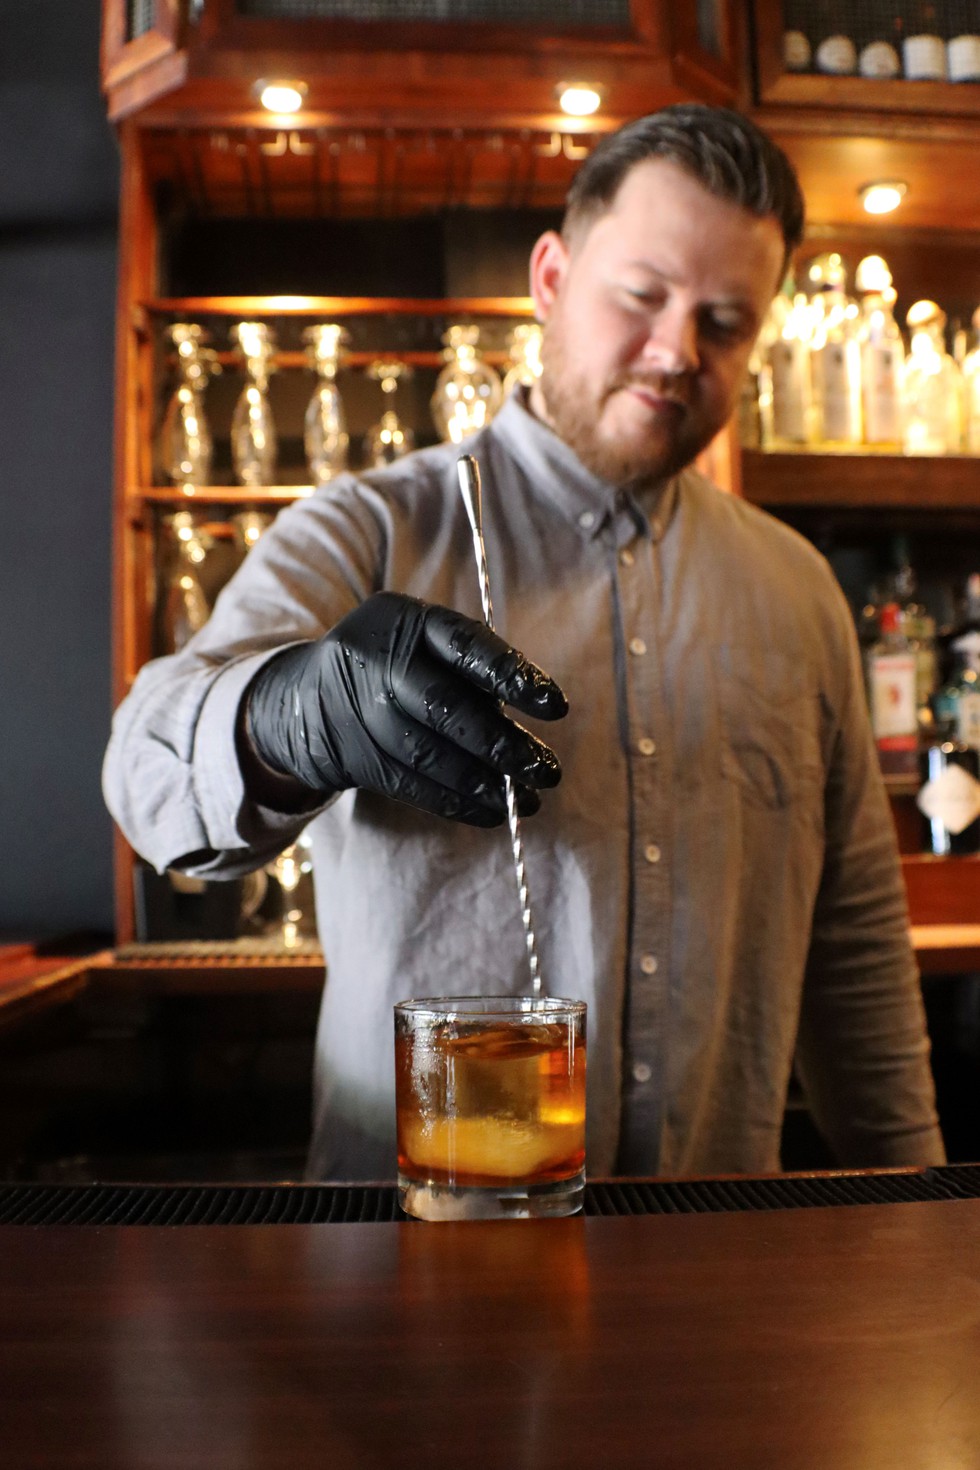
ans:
(557, 473)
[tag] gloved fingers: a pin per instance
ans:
(413, 764)
(466, 720)
(528, 800)
(490, 663)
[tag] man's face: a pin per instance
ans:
(649, 317)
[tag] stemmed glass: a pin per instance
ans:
(185, 607)
(325, 427)
(468, 390)
(253, 430)
(389, 438)
(289, 869)
(524, 355)
(247, 526)
(186, 444)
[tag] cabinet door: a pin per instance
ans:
(708, 46)
(140, 46)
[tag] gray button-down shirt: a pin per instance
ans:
(716, 875)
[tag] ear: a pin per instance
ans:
(549, 262)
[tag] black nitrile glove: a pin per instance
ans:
(403, 698)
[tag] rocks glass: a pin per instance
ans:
(490, 1102)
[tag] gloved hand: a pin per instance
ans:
(403, 698)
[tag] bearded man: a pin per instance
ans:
(716, 874)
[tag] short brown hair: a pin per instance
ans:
(725, 152)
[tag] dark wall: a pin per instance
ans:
(58, 183)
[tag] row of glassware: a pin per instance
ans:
(468, 393)
(832, 368)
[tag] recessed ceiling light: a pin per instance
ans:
(883, 196)
(281, 96)
(578, 99)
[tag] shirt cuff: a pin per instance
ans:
(232, 820)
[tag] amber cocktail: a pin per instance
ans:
(490, 1098)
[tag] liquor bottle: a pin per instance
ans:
(835, 354)
(892, 696)
(957, 703)
(797, 49)
(834, 52)
(918, 628)
(878, 56)
(971, 393)
(924, 57)
(882, 354)
(963, 43)
(949, 797)
(932, 386)
(787, 357)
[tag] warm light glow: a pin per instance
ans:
(578, 99)
(281, 96)
(883, 197)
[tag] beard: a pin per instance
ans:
(575, 406)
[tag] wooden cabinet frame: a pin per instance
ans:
(775, 85)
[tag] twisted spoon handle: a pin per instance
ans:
(469, 485)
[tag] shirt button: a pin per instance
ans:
(626, 557)
(641, 1072)
(652, 852)
(648, 964)
(646, 746)
(586, 519)
(637, 646)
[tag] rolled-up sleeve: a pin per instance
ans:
(171, 776)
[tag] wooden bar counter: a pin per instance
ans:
(804, 1339)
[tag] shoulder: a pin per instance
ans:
(764, 542)
(767, 572)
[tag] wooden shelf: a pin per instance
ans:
(828, 478)
(222, 494)
(315, 306)
(942, 890)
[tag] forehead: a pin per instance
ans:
(663, 218)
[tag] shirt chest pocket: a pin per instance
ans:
(769, 716)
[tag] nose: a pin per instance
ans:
(672, 343)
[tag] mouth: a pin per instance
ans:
(655, 399)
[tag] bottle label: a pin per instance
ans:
(893, 704)
(880, 60)
(796, 51)
(963, 58)
(968, 719)
(925, 59)
(839, 372)
(882, 366)
(788, 361)
(952, 798)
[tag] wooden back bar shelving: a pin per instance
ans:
(418, 119)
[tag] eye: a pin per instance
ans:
(645, 296)
(725, 327)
